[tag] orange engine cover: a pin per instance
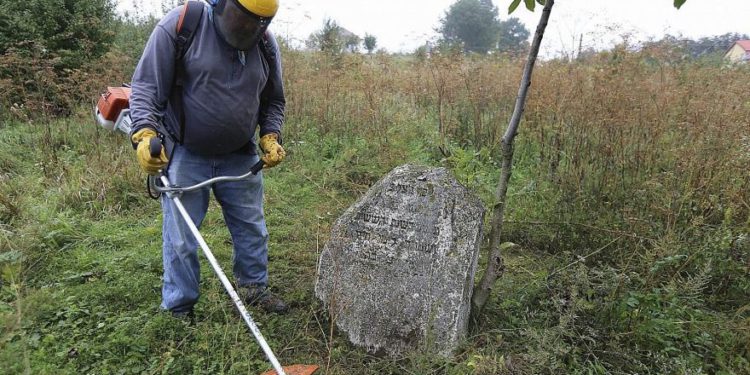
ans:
(113, 101)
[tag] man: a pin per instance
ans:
(209, 103)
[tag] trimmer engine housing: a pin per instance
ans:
(112, 111)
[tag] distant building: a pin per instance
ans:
(740, 52)
(350, 40)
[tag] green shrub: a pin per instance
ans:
(46, 50)
(74, 31)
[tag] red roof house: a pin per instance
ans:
(740, 52)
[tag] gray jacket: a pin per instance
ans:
(226, 94)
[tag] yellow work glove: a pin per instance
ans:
(273, 151)
(148, 163)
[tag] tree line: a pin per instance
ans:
(472, 25)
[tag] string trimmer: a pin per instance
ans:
(112, 113)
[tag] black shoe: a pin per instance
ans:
(259, 295)
(187, 316)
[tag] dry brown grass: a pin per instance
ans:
(619, 123)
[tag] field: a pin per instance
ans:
(630, 200)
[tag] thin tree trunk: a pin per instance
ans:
(495, 266)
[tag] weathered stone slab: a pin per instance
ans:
(398, 271)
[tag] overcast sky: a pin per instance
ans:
(401, 25)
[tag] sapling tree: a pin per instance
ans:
(495, 266)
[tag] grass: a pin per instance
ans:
(628, 198)
(84, 290)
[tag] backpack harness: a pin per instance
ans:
(187, 24)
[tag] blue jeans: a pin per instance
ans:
(242, 205)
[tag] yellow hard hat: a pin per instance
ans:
(263, 8)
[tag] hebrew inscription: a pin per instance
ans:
(399, 267)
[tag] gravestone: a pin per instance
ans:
(398, 271)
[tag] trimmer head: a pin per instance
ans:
(295, 370)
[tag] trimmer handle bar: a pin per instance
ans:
(177, 189)
(155, 147)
